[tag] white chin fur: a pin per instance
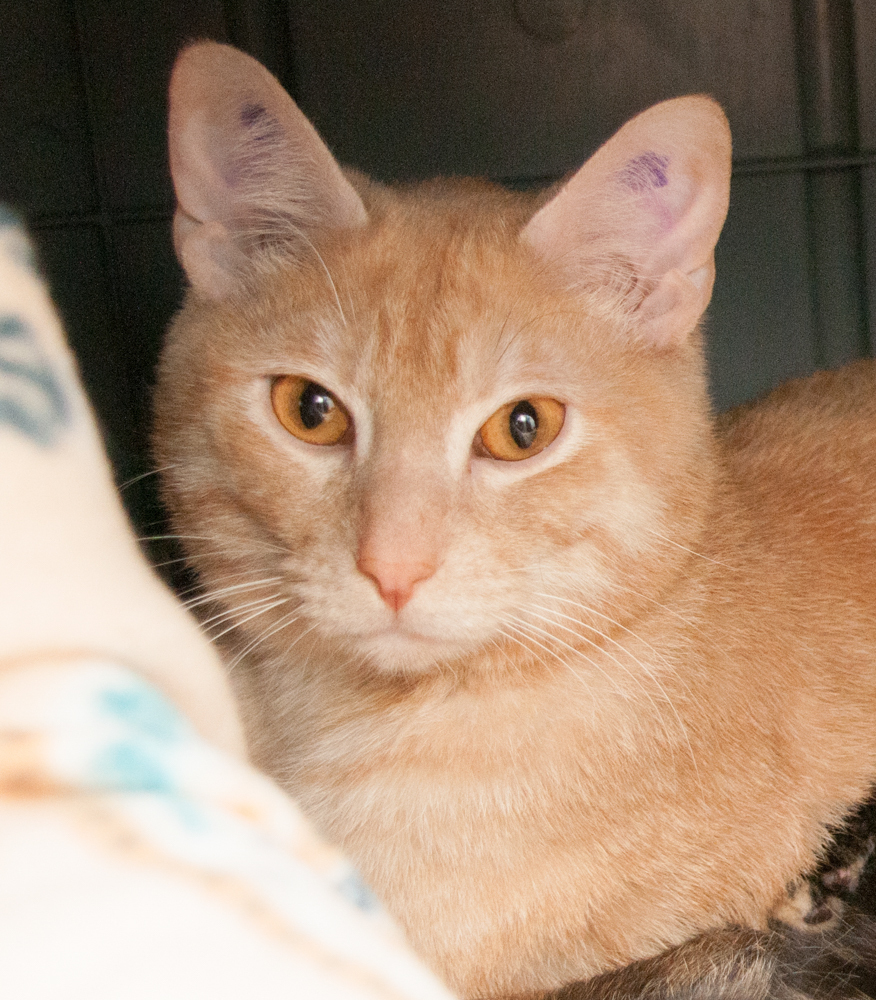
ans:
(398, 653)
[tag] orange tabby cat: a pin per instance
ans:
(570, 671)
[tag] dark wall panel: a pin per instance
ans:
(865, 71)
(128, 50)
(144, 260)
(411, 90)
(759, 329)
(868, 215)
(865, 65)
(46, 157)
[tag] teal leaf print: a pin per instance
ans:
(31, 397)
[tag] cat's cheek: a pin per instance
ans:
(284, 484)
(626, 509)
(585, 485)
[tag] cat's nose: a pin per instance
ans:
(395, 581)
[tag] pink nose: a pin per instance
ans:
(395, 580)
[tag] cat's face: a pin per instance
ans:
(416, 430)
(427, 328)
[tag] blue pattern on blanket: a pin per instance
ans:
(355, 891)
(31, 397)
(129, 767)
(144, 711)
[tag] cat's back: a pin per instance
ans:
(815, 403)
(801, 468)
(807, 453)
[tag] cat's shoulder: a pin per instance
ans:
(816, 407)
(809, 445)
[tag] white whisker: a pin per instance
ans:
(287, 620)
(628, 671)
(144, 475)
(211, 538)
(237, 609)
(249, 618)
(684, 548)
(170, 562)
(650, 673)
(592, 611)
(306, 239)
(579, 655)
(675, 614)
(531, 652)
(200, 586)
(212, 595)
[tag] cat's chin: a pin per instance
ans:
(398, 652)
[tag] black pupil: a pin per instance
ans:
(314, 405)
(523, 424)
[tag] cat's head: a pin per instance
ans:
(408, 425)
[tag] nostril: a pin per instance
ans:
(395, 581)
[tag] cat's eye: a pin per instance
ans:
(309, 411)
(522, 429)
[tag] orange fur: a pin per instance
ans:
(635, 686)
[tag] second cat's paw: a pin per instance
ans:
(807, 907)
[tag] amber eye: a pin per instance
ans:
(309, 411)
(522, 429)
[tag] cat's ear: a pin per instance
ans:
(643, 216)
(248, 168)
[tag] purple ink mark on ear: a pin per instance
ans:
(644, 172)
(252, 114)
(260, 123)
(263, 133)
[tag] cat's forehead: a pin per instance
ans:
(435, 301)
